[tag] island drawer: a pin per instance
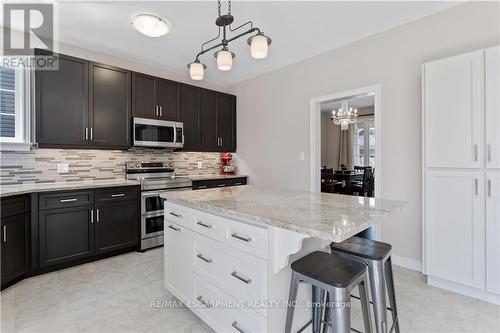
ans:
(223, 312)
(247, 238)
(209, 225)
(66, 199)
(179, 214)
(241, 275)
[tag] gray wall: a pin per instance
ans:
(276, 106)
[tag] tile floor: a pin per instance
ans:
(115, 294)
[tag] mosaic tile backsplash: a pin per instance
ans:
(40, 165)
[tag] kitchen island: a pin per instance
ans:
(228, 251)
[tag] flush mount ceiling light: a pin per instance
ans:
(259, 44)
(150, 25)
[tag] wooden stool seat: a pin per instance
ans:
(364, 248)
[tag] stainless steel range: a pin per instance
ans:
(155, 178)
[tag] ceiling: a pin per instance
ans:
(299, 30)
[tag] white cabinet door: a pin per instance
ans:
(453, 92)
(492, 93)
(493, 232)
(455, 227)
(179, 248)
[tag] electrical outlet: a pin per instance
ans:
(200, 165)
(62, 167)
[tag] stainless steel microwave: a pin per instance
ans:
(157, 133)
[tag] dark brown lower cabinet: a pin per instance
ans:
(65, 235)
(14, 247)
(116, 225)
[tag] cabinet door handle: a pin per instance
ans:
(86, 133)
(221, 141)
(91, 134)
(156, 110)
(68, 200)
(204, 225)
(235, 274)
(118, 195)
(236, 327)
(207, 260)
(5, 233)
(97, 215)
(489, 188)
(242, 238)
(476, 186)
(91, 216)
(488, 148)
(176, 215)
(200, 298)
(161, 111)
(174, 228)
(475, 153)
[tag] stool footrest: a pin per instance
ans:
(356, 297)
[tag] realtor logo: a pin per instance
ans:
(27, 26)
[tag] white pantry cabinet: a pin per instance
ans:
(461, 167)
(455, 238)
(454, 107)
(493, 231)
(492, 56)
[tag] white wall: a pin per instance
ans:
(273, 109)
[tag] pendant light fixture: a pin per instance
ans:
(259, 44)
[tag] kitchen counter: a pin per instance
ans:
(9, 190)
(325, 216)
(214, 176)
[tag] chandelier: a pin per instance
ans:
(259, 44)
(344, 116)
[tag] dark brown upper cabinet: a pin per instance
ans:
(226, 122)
(109, 106)
(209, 119)
(61, 102)
(82, 105)
(190, 117)
(155, 98)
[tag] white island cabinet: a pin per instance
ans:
(228, 251)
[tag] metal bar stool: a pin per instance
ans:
(377, 257)
(337, 276)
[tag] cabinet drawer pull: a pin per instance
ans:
(235, 274)
(208, 260)
(242, 238)
(476, 186)
(489, 152)
(200, 298)
(174, 228)
(176, 215)
(237, 184)
(221, 185)
(203, 186)
(5, 233)
(118, 195)
(239, 329)
(489, 188)
(68, 200)
(204, 225)
(475, 153)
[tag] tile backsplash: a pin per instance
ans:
(40, 165)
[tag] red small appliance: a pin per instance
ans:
(226, 164)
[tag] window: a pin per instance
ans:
(364, 145)
(14, 113)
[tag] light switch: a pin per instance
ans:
(62, 167)
(302, 156)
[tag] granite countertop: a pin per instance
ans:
(326, 216)
(9, 190)
(214, 176)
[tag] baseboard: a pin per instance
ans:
(408, 263)
(464, 290)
